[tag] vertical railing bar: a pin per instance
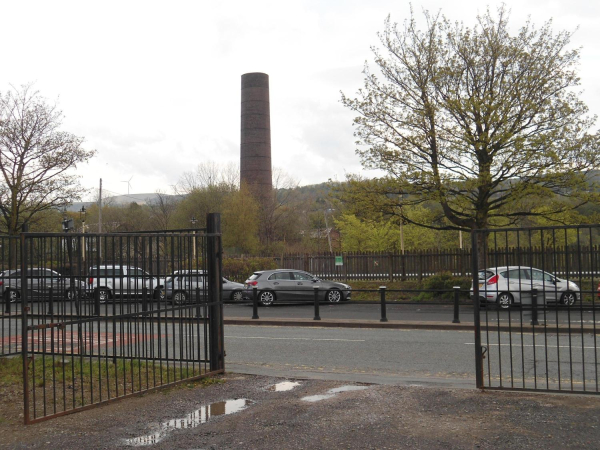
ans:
(580, 280)
(543, 257)
(593, 269)
(510, 340)
(499, 334)
(554, 252)
(158, 255)
(568, 271)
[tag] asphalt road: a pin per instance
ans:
(366, 355)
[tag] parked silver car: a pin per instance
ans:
(39, 282)
(181, 286)
(513, 284)
(286, 285)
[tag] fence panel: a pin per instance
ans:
(108, 316)
(537, 327)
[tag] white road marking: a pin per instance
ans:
(293, 339)
(531, 345)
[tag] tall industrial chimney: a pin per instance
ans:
(255, 147)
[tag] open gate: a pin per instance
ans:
(535, 293)
(106, 316)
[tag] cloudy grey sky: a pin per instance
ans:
(154, 86)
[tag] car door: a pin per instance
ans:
(544, 283)
(52, 279)
(518, 283)
(137, 279)
(305, 286)
(283, 284)
(35, 283)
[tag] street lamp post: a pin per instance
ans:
(82, 217)
(193, 221)
(327, 229)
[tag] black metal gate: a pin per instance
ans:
(106, 316)
(535, 294)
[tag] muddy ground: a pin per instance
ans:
(377, 417)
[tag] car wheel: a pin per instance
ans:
(266, 298)
(179, 297)
(505, 300)
(334, 296)
(568, 298)
(11, 296)
(104, 295)
(237, 296)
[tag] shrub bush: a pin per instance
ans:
(442, 281)
(239, 269)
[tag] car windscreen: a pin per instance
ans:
(255, 276)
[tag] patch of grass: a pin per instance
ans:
(62, 383)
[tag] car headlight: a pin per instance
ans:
(573, 286)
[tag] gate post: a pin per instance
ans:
(476, 315)
(215, 286)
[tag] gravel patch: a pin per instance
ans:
(379, 417)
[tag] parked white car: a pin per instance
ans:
(113, 281)
(513, 284)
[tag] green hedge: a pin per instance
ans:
(441, 281)
(238, 269)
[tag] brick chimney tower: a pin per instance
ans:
(255, 144)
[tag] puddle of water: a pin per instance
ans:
(317, 398)
(192, 420)
(347, 388)
(332, 392)
(284, 386)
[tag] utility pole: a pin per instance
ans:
(100, 221)
(100, 209)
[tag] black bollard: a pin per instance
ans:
(145, 299)
(456, 297)
(383, 305)
(534, 309)
(254, 303)
(51, 301)
(97, 302)
(317, 316)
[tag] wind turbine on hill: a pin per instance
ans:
(128, 184)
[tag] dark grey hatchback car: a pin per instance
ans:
(287, 285)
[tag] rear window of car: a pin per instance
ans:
(255, 276)
(515, 274)
(485, 274)
(281, 276)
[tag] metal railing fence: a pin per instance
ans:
(96, 321)
(538, 325)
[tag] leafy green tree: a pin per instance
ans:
(36, 158)
(477, 120)
(241, 222)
